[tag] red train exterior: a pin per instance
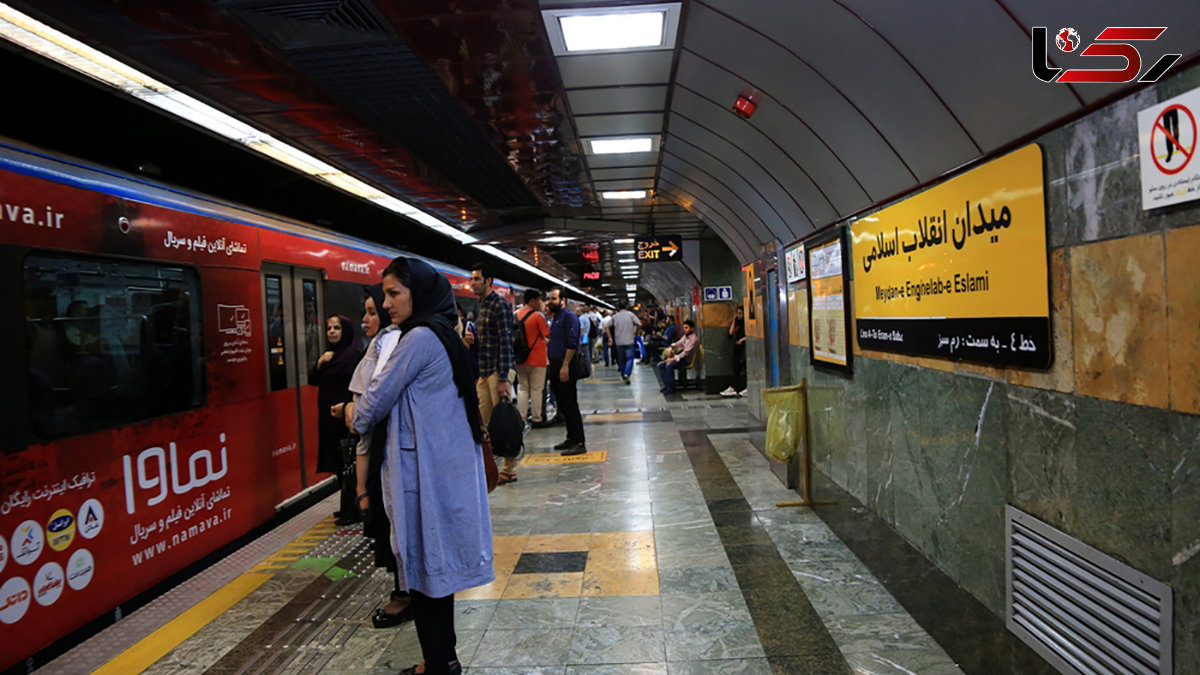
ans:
(90, 520)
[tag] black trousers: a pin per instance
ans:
(568, 401)
(739, 367)
(434, 619)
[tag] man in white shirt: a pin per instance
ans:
(625, 326)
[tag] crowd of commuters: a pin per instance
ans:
(409, 403)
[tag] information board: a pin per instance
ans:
(828, 314)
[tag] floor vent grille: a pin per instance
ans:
(1083, 611)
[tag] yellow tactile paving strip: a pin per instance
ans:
(297, 549)
(157, 644)
(546, 458)
(615, 417)
(619, 563)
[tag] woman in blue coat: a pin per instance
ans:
(435, 490)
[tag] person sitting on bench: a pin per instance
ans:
(682, 352)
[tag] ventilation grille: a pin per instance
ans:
(1083, 611)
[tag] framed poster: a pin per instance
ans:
(794, 260)
(828, 311)
(960, 271)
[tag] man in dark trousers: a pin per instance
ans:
(737, 333)
(493, 343)
(564, 341)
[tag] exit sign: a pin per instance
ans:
(659, 249)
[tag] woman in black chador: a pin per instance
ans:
(332, 377)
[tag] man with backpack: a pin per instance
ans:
(530, 334)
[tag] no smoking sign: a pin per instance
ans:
(1167, 136)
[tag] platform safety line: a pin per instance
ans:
(158, 644)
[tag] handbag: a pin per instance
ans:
(581, 365)
(490, 471)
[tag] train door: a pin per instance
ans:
(294, 303)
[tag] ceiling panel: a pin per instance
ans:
(778, 74)
(626, 159)
(871, 75)
(752, 153)
(604, 70)
(628, 172)
(618, 125)
(628, 184)
(617, 99)
(747, 198)
(935, 34)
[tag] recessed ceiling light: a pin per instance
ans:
(624, 30)
(555, 240)
(576, 30)
(622, 241)
(624, 194)
(614, 146)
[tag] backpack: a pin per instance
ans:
(594, 330)
(521, 347)
(506, 430)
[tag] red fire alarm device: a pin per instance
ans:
(744, 107)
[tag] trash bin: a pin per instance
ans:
(785, 421)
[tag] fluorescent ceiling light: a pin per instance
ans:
(624, 194)
(583, 30)
(614, 146)
(629, 267)
(555, 240)
(622, 30)
(41, 39)
(622, 241)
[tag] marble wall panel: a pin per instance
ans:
(1042, 454)
(1120, 320)
(1183, 318)
(963, 451)
(878, 427)
(1183, 450)
(756, 376)
(915, 509)
(1123, 476)
(1103, 172)
(1186, 586)
(827, 416)
(1054, 162)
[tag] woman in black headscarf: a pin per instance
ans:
(332, 378)
(434, 484)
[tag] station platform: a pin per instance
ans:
(662, 550)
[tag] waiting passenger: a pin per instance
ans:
(332, 378)
(369, 454)
(680, 356)
(434, 484)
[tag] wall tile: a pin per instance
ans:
(1183, 318)
(1103, 172)
(963, 450)
(1041, 454)
(1061, 376)
(1122, 488)
(1119, 320)
(879, 425)
(1054, 158)
(1183, 448)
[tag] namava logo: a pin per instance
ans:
(1067, 39)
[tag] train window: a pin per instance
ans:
(276, 345)
(109, 343)
(314, 327)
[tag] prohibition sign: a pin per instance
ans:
(1171, 139)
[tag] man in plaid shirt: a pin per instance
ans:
(493, 342)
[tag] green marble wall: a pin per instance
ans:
(938, 449)
(718, 267)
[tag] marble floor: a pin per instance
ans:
(661, 551)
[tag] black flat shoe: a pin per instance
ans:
(565, 444)
(382, 619)
(577, 449)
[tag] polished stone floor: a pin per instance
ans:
(661, 551)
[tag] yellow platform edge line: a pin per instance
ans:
(157, 644)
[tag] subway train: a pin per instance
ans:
(160, 404)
